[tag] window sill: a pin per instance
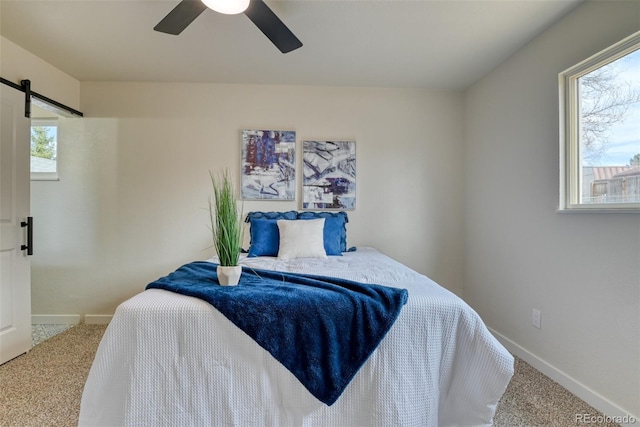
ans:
(633, 209)
(44, 176)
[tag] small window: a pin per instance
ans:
(44, 149)
(600, 131)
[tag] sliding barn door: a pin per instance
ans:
(15, 270)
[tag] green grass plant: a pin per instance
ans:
(226, 220)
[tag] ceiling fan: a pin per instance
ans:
(258, 12)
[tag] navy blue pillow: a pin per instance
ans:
(268, 215)
(265, 238)
(335, 230)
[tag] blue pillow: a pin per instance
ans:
(267, 215)
(332, 233)
(335, 230)
(271, 215)
(265, 238)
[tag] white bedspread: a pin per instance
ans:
(172, 360)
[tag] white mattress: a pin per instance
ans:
(172, 360)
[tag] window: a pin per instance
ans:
(44, 149)
(600, 131)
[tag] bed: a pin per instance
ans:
(168, 359)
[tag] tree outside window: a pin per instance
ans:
(610, 131)
(44, 147)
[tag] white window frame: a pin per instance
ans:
(570, 165)
(46, 176)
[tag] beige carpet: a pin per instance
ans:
(44, 387)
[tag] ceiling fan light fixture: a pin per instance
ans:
(228, 7)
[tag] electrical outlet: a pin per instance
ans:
(535, 318)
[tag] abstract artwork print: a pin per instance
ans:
(268, 164)
(329, 175)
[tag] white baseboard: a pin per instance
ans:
(55, 319)
(70, 319)
(619, 415)
(97, 319)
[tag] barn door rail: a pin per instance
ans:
(43, 101)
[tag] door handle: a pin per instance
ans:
(29, 246)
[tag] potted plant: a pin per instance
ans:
(226, 228)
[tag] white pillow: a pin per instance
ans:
(302, 238)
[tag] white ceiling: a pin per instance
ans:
(440, 44)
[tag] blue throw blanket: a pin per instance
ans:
(322, 329)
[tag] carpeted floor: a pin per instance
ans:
(532, 399)
(40, 333)
(44, 387)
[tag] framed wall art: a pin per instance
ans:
(329, 175)
(268, 165)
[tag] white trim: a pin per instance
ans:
(604, 209)
(583, 392)
(55, 319)
(97, 319)
(45, 176)
(570, 164)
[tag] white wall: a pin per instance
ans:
(17, 64)
(131, 202)
(581, 270)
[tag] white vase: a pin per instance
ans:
(229, 276)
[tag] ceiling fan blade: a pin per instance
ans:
(180, 17)
(272, 26)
